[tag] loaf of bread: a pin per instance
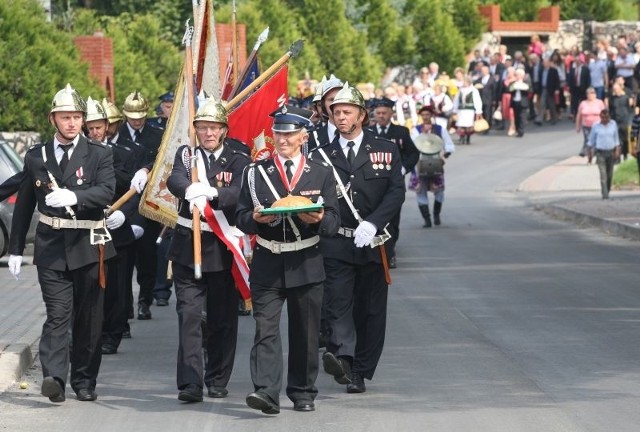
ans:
(292, 201)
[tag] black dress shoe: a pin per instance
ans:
(108, 348)
(357, 384)
(262, 402)
(338, 367)
(143, 312)
(86, 395)
(126, 334)
(191, 393)
(304, 406)
(392, 262)
(52, 389)
(162, 302)
(217, 392)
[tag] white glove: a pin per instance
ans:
(139, 180)
(61, 198)
(200, 202)
(115, 220)
(200, 189)
(15, 261)
(364, 234)
(138, 231)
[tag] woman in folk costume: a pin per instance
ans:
(468, 106)
(442, 104)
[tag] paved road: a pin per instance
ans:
(502, 319)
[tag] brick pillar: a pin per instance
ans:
(97, 51)
(224, 36)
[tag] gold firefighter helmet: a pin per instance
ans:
(318, 94)
(135, 106)
(112, 111)
(349, 95)
(95, 110)
(211, 110)
(68, 100)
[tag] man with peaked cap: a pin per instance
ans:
(409, 154)
(369, 170)
(146, 141)
(71, 180)
(163, 112)
(327, 131)
(217, 186)
(287, 264)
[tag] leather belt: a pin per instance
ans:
(351, 233)
(347, 232)
(188, 223)
(62, 223)
(279, 247)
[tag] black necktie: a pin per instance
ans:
(383, 131)
(65, 157)
(136, 135)
(351, 155)
(288, 164)
(212, 160)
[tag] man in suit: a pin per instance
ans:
(549, 91)
(535, 66)
(579, 79)
(372, 192)
(71, 180)
(519, 90)
(486, 85)
(287, 264)
(409, 155)
(217, 186)
(146, 141)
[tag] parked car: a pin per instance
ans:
(10, 164)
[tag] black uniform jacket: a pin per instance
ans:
(146, 147)
(90, 176)
(124, 166)
(377, 194)
(288, 269)
(409, 154)
(226, 176)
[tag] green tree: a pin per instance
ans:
(143, 59)
(36, 61)
(388, 35)
(437, 38)
(590, 10)
(467, 19)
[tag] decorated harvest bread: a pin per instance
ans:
(292, 201)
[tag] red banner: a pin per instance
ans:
(250, 121)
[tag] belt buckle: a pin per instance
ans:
(55, 223)
(276, 248)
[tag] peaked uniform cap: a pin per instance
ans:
(289, 118)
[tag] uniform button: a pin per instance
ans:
(352, 176)
(355, 193)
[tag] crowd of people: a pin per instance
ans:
(345, 160)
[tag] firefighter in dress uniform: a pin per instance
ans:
(371, 193)
(286, 263)
(71, 180)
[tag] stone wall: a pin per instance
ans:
(20, 141)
